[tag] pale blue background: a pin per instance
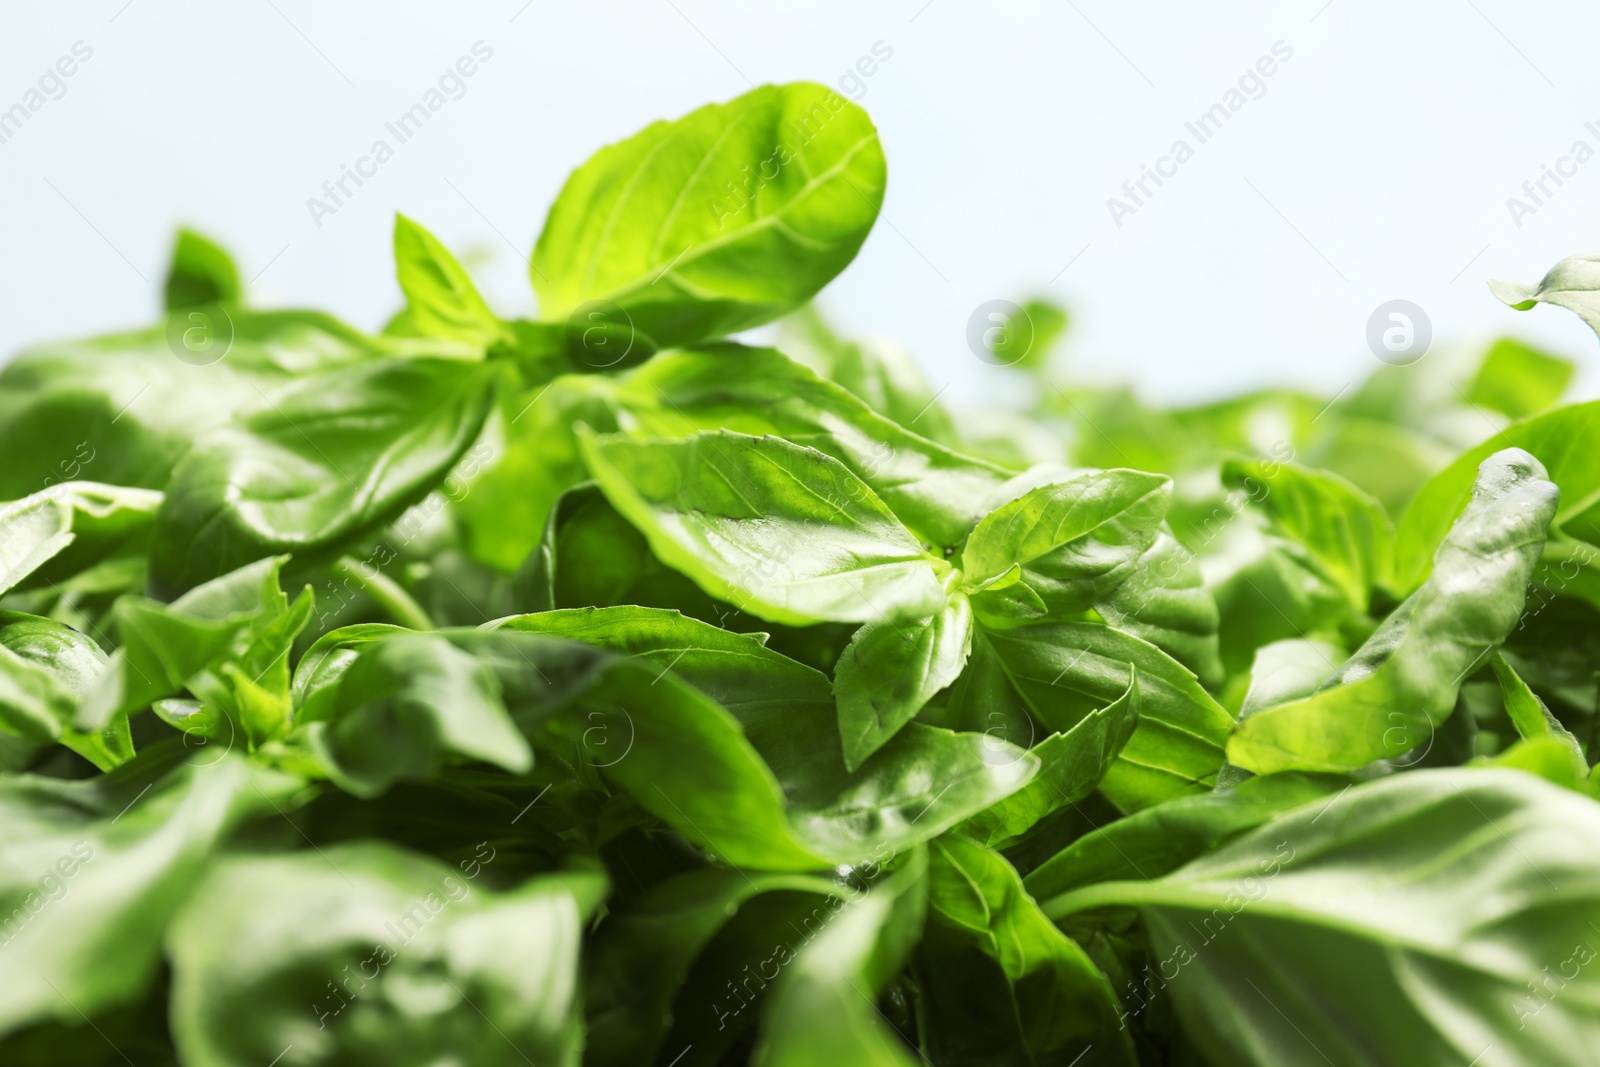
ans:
(1390, 142)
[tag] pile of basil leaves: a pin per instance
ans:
(598, 690)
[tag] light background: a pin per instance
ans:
(1376, 166)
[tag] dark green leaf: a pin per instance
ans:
(202, 272)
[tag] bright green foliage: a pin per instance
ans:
(599, 691)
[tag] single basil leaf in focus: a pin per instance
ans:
(1165, 601)
(439, 293)
(892, 668)
(325, 461)
(1402, 684)
(718, 221)
(1076, 540)
(1000, 977)
(364, 953)
(1572, 283)
(1418, 919)
(782, 531)
(202, 272)
(938, 493)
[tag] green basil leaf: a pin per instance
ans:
(1071, 766)
(202, 272)
(718, 221)
(90, 872)
(366, 953)
(1428, 918)
(1402, 683)
(1060, 672)
(45, 668)
(891, 669)
(1571, 283)
(227, 641)
(406, 703)
(1330, 526)
(642, 955)
(1566, 441)
(55, 533)
(1162, 838)
(440, 295)
(939, 494)
(1518, 380)
(782, 531)
(917, 786)
(125, 408)
(1076, 540)
(1165, 601)
(838, 972)
(1001, 980)
(321, 464)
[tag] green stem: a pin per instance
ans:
(1104, 895)
(385, 592)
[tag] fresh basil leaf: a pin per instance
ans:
(202, 272)
(676, 752)
(1566, 441)
(533, 460)
(1518, 380)
(58, 532)
(1428, 918)
(1165, 601)
(939, 494)
(440, 295)
(1571, 284)
(1401, 685)
(837, 974)
(1071, 766)
(921, 783)
(227, 641)
(718, 221)
(782, 531)
(642, 955)
(406, 703)
(1001, 981)
(1162, 838)
(1331, 527)
(365, 953)
(891, 669)
(124, 408)
(45, 668)
(1060, 672)
(321, 464)
(90, 872)
(1076, 540)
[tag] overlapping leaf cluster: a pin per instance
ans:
(597, 689)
